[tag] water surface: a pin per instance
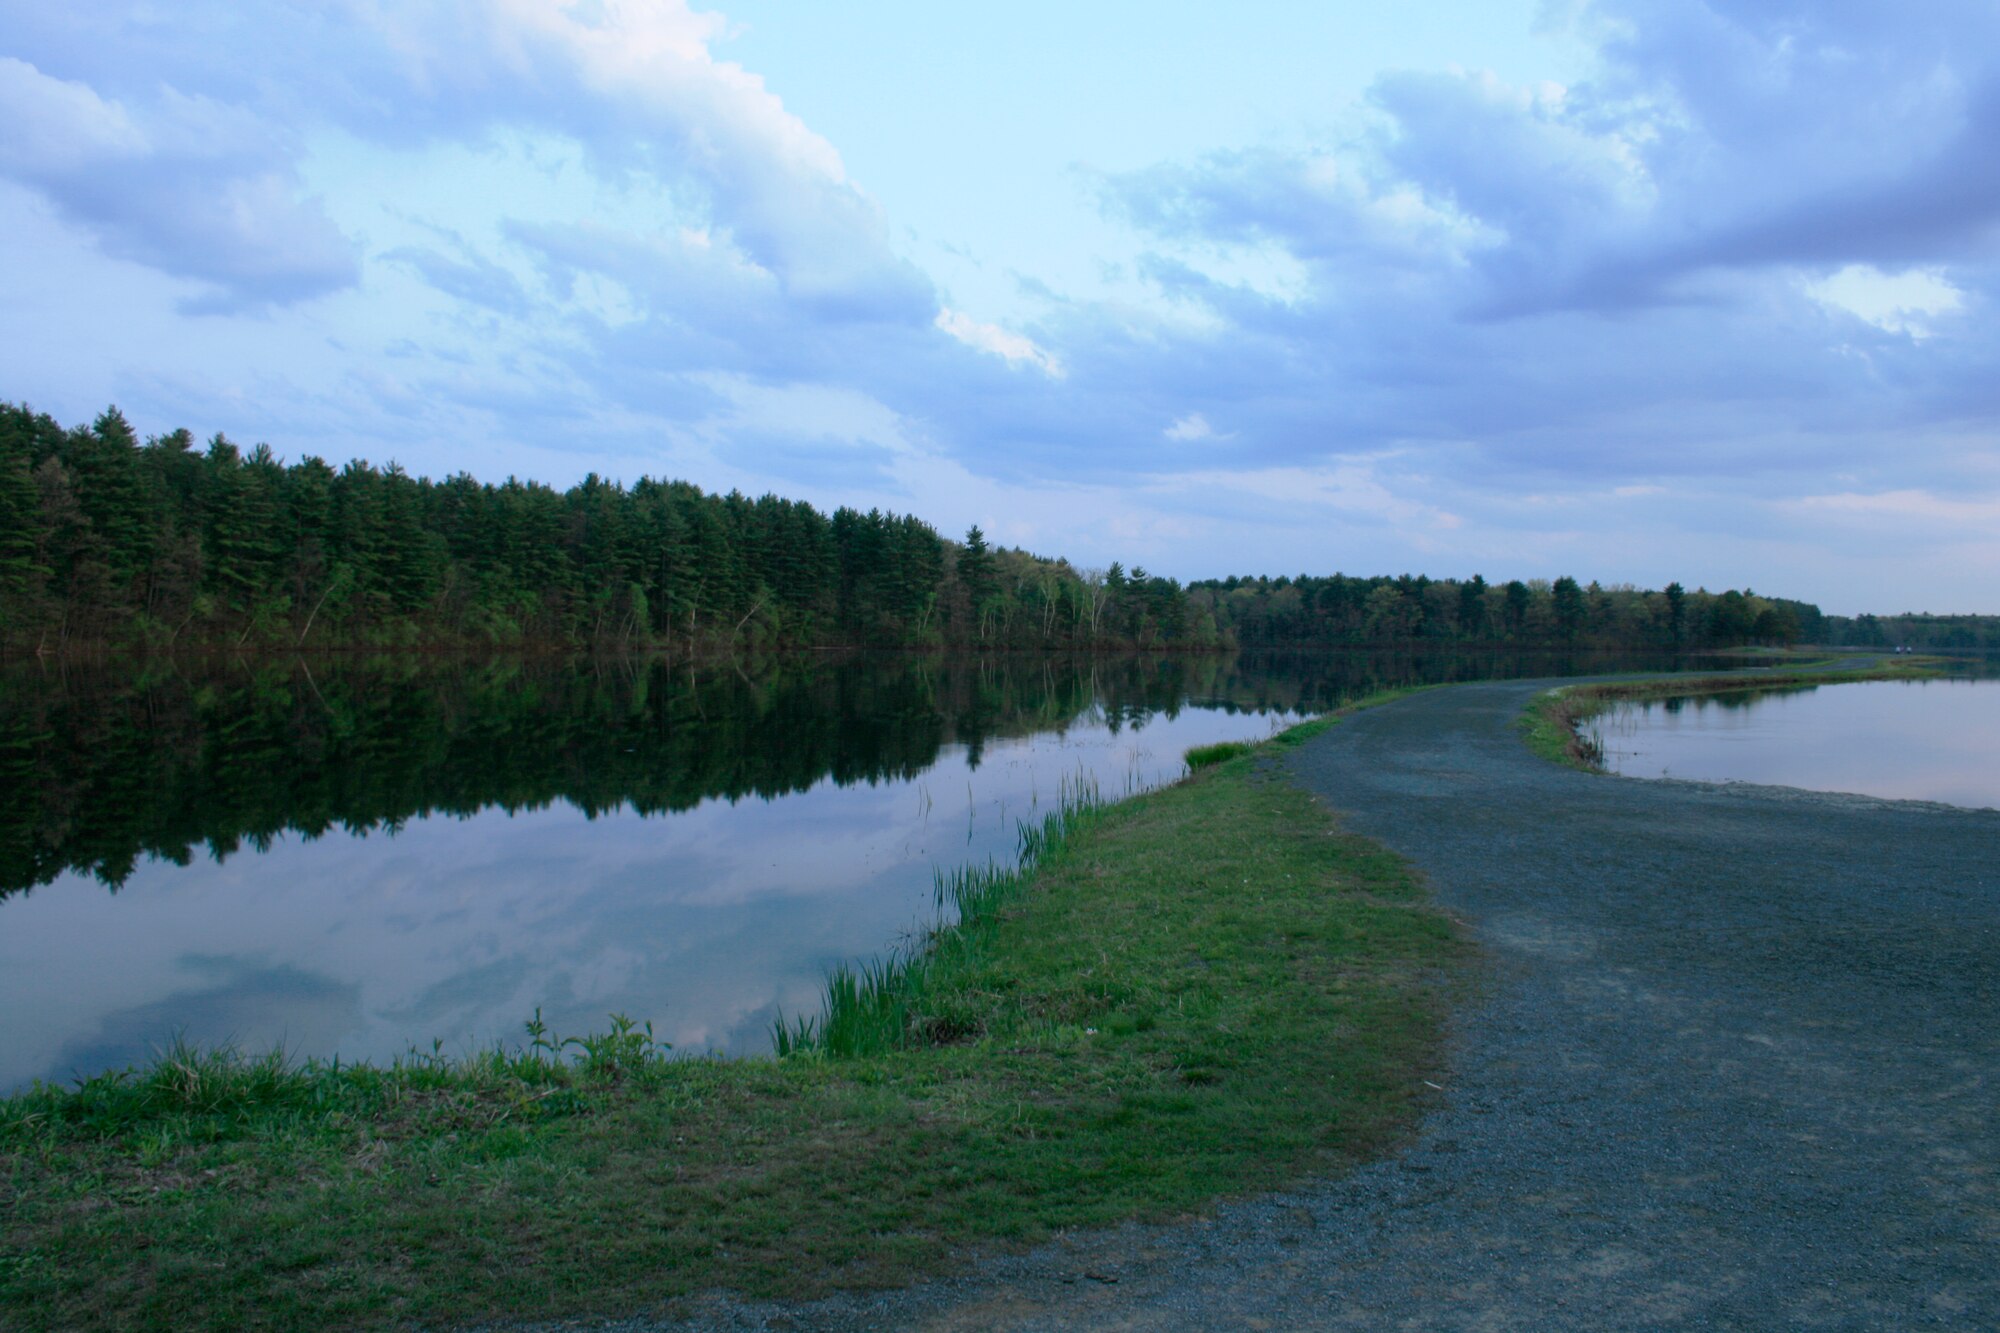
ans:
(1935, 740)
(360, 858)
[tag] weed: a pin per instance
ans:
(628, 1049)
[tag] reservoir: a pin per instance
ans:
(1933, 740)
(368, 856)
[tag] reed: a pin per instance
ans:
(893, 1003)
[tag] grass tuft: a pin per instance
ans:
(1204, 756)
(219, 1095)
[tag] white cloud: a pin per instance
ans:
(656, 52)
(53, 122)
(1014, 348)
(183, 184)
(1905, 505)
(1906, 302)
(1192, 427)
(1354, 489)
(638, 86)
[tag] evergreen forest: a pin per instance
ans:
(110, 541)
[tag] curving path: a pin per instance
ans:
(1736, 1065)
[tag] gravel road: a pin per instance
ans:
(1736, 1066)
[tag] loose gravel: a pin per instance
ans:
(1732, 1065)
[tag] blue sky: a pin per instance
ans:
(1638, 290)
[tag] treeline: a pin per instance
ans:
(1919, 632)
(1258, 612)
(104, 539)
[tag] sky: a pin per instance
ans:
(1634, 290)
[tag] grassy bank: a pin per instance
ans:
(1554, 724)
(1197, 992)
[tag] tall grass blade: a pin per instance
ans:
(879, 1005)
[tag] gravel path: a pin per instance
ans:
(1735, 1068)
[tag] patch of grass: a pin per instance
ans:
(1295, 736)
(895, 1002)
(1204, 990)
(1204, 756)
(1553, 724)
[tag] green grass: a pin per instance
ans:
(1553, 724)
(1205, 756)
(1202, 991)
(905, 1000)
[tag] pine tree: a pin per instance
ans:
(21, 573)
(1472, 607)
(1571, 608)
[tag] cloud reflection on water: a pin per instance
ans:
(1904, 740)
(707, 921)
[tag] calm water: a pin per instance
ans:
(1909, 740)
(365, 858)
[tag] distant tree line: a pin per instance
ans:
(1257, 612)
(108, 540)
(1920, 632)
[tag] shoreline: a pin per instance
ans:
(17, 654)
(1204, 990)
(1723, 1069)
(1552, 722)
